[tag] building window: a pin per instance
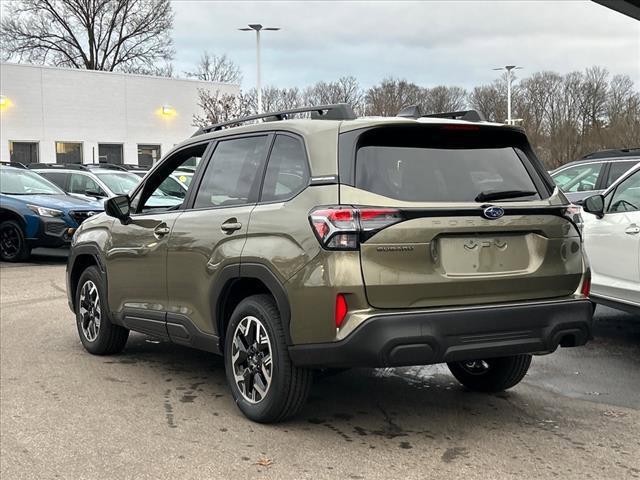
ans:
(23, 152)
(110, 153)
(68, 152)
(148, 155)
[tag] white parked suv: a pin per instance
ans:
(612, 242)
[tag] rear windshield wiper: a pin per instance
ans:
(503, 194)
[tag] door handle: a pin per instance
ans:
(231, 226)
(161, 230)
(632, 230)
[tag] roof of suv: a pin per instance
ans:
(320, 130)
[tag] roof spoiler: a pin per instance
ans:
(337, 111)
(413, 111)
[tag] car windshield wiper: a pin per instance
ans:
(503, 194)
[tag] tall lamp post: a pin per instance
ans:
(258, 28)
(509, 68)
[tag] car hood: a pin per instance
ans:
(65, 202)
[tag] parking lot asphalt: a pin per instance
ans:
(161, 411)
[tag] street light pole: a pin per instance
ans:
(258, 28)
(509, 68)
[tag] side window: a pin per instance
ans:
(233, 172)
(287, 171)
(581, 178)
(617, 169)
(161, 191)
(83, 184)
(626, 197)
(59, 178)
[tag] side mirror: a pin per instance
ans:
(594, 204)
(118, 207)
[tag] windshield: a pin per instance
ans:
(120, 183)
(24, 182)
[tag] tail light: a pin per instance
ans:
(341, 309)
(343, 228)
(586, 286)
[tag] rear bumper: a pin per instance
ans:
(450, 335)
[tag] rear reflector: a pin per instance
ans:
(341, 309)
(586, 286)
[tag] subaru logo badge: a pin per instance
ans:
(492, 213)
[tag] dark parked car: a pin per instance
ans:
(594, 173)
(36, 213)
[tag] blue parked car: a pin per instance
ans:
(36, 213)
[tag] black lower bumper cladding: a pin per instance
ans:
(451, 335)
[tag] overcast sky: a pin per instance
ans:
(428, 42)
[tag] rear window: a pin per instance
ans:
(449, 171)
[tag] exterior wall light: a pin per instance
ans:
(167, 110)
(4, 102)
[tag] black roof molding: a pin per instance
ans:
(337, 111)
(13, 164)
(57, 166)
(413, 111)
(618, 152)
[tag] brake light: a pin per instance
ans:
(341, 309)
(343, 228)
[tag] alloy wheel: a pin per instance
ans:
(90, 311)
(251, 357)
(10, 241)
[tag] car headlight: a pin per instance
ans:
(45, 212)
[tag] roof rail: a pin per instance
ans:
(129, 166)
(337, 111)
(13, 164)
(53, 166)
(413, 111)
(615, 152)
(108, 166)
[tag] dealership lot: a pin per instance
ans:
(163, 411)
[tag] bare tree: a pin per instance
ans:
(274, 99)
(343, 90)
(221, 107)
(91, 34)
(390, 96)
(216, 68)
(444, 99)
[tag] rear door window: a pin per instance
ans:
(234, 172)
(287, 172)
(580, 178)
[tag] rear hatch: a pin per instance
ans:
(470, 217)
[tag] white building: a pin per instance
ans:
(62, 115)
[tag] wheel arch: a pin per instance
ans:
(81, 258)
(237, 282)
(9, 214)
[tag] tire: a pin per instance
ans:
(255, 335)
(98, 335)
(493, 374)
(13, 245)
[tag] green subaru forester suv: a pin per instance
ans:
(312, 239)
